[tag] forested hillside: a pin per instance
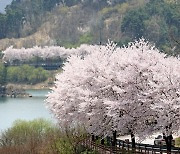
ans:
(70, 23)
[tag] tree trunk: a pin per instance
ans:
(102, 141)
(97, 138)
(133, 140)
(93, 138)
(168, 141)
(114, 138)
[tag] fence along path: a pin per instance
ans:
(125, 148)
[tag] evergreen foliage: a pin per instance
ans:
(157, 21)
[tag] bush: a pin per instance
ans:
(40, 136)
(23, 132)
(2, 74)
(26, 74)
(177, 142)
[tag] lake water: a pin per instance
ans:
(28, 108)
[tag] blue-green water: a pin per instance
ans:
(28, 108)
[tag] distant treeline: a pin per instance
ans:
(22, 74)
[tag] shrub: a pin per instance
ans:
(26, 74)
(177, 142)
(40, 136)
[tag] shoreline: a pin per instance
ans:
(40, 86)
(20, 90)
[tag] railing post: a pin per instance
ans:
(119, 144)
(123, 145)
(160, 149)
(128, 146)
(139, 148)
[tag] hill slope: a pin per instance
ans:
(75, 22)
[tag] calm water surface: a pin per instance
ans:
(29, 108)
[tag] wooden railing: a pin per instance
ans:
(123, 147)
(147, 148)
(99, 148)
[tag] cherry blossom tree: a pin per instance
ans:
(133, 89)
(166, 88)
(111, 89)
(11, 54)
